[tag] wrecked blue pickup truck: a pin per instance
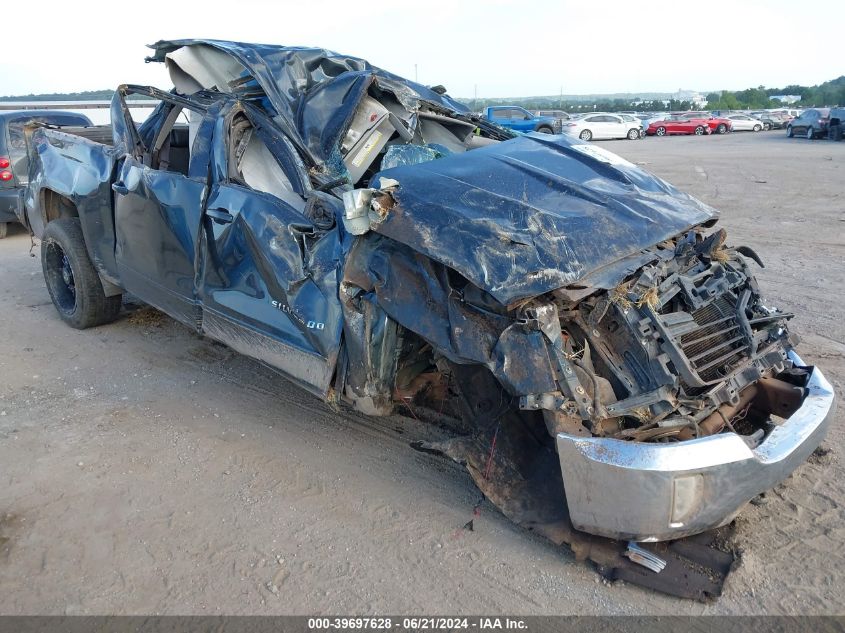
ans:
(603, 356)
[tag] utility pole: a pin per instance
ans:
(560, 104)
(416, 78)
(475, 98)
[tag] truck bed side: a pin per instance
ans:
(71, 172)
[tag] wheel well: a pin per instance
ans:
(55, 206)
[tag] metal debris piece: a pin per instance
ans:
(643, 557)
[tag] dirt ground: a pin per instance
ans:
(144, 470)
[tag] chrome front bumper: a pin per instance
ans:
(658, 492)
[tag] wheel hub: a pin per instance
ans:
(67, 274)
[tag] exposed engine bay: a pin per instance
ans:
(673, 352)
(682, 349)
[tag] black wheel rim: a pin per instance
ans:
(60, 278)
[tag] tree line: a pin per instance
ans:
(829, 93)
(85, 95)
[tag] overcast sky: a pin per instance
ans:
(498, 47)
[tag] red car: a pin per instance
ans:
(676, 124)
(716, 124)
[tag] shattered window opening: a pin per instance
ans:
(387, 113)
(251, 163)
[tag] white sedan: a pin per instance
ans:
(745, 123)
(600, 125)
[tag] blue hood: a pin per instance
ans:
(535, 213)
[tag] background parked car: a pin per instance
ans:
(774, 120)
(14, 165)
(554, 114)
(678, 124)
(634, 120)
(812, 123)
(717, 124)
(602, 125)
(744, 123)
(650, 117)
(521, 120)
(762, 116)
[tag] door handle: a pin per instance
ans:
(220, 216)
(120, 189)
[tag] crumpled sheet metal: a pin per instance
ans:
(455, 322)
(529, 215)
(316, 91)
(89, 189)
(517, 218)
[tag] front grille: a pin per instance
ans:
(717, 344)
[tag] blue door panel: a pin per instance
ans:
(271, 271)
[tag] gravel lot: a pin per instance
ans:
(146, 470)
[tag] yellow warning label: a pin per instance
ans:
(367, 149)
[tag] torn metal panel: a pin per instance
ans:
(459, 321)
(202, 67)
(313, 93)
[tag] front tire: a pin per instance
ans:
(757, 127)
(699, 131)
(721, 128)
(633, 134)
(661, 131)
(810, 133)
(72, 282)
(585, 135)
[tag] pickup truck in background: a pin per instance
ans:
(378, 244)
(521, 120)
(14, 165)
